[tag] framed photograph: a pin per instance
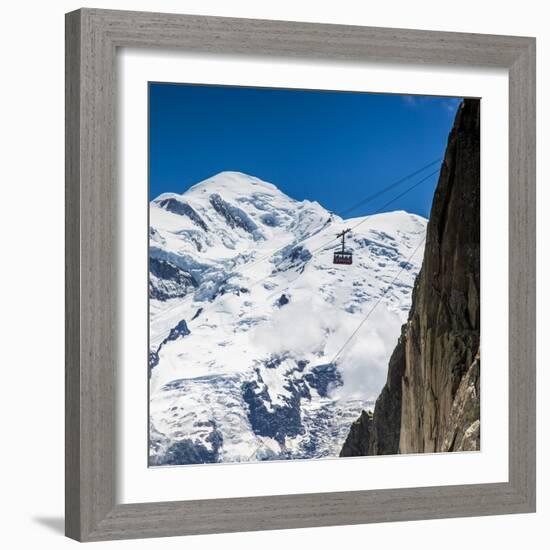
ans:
(300, 275)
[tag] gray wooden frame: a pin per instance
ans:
(92, 39)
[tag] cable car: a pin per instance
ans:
(343, 256)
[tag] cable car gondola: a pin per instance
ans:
(343, 257)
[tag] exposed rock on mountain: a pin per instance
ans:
(463, 426)
(430, 402)
(358, 440)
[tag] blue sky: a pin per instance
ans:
(332, 147)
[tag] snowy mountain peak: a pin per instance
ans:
(247, 311)
(230, 215)
(235, 182)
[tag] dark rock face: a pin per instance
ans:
(358, 439)
(269, 419)
(197, 313)
(234, 216)
(153, 360)
(183, 209)
(171, 281)
(386, 423)
(430, 402)
(294, 257)
(187, 451)
(283, 300)
(275, 361)
(283, 417)
(179, 331)
(463, 427)
(323, 378)
(299, 254)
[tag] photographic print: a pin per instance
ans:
(314, 274)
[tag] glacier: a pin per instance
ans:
(247, 311)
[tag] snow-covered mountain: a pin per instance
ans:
(247, 312)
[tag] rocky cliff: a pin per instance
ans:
(430, 402)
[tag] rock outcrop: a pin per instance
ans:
(430, 402)
(358, 440)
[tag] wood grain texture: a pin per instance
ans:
(92, 37)
(72, 276)
(522, 275)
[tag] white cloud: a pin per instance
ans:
(297, 327)
(303, 326)
(364, 362)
